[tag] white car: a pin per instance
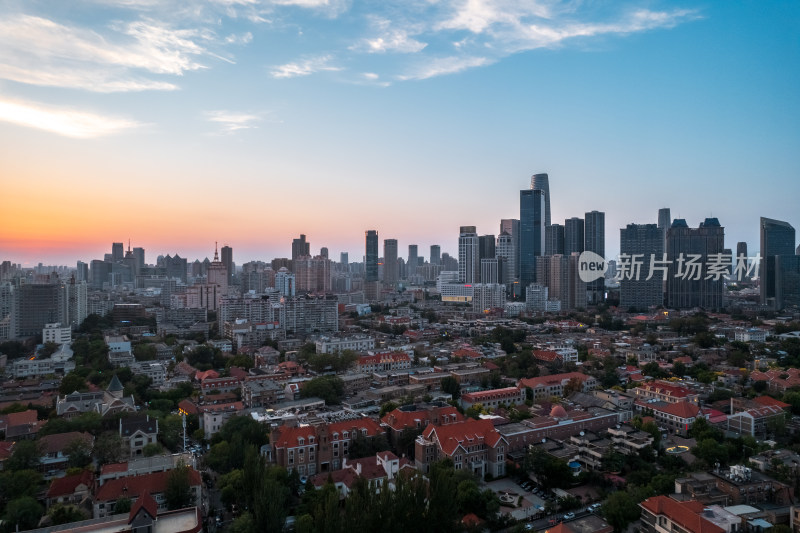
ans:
(594, 507)
(569, 516)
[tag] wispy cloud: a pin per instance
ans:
(67, 122)
(304, 67)
(390, 38)
(39, 51)
(232, 121)
(445, 65)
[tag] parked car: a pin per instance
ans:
(569, 516)
(594, 507)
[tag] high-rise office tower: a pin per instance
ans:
(39, 304)
(531, 234)
(436, 254)
(313, 274)
(554, 239)
(413, 260)
(637, 243)
(542, 183)
(324, 252)
(777, 240)
(390, 266)
(82, 272)
(595, 241)
(344, 259)
(226, 253)
(664, 222)
(300, 247)
(469, 260)
(490, 270)
(371, 258)
(691, 254)
(573, 236)
(506, 254)
(117, 252)
(217, 275)
(138, 253)
(559, 273)
(486, 246)
(511, 226)
(741, 249)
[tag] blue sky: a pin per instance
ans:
(181, 123)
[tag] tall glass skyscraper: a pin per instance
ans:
(390, 267)
(532, 209)
(371, 260)
(777, 239)
(541, 182)
(595, 241)
(469, 257)
(573, 236)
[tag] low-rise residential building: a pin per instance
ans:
(137, 432)
(60, 362)
(666, 392)
(56, 333)
(71, 490)
(383, 362)
(133, 487)
(472, 444)
(209, 385)
(320, 447)
(261, 393)
(750, 335)
(661, 514)
(546, 386)
(213, 417)
(138, 466)
(494, 398)
(418, 418)
(356, 343)
(157, 372)
(56, 448)
(677, 418)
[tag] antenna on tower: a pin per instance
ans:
(216, 255)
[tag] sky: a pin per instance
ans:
(176, 124)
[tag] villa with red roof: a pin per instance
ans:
(318, 448)
(132, 487)
(472, 444)
(676, 417)
(666, 392)
(384, 362)
(493, 398)
(72, 489)
(411, 417)
(661, 514)
(546, 386)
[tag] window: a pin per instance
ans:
(291, 457)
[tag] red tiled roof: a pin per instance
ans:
(685, 514)
(64, 486)
(59, 441)
(369, 424)
(490, 394)
(552, 380)
(287, 437)
(114, 468)
(188, 406)
(467, 353)
(134, 486)
(453, 435)
(145, 502)
(546, 355)
(206, 374)
(770, 401)
(673, 391)
(680, 409)
(6, 447)
(399, 419)
(19, 419)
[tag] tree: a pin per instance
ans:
(178, 492)
(622, 507)
(108, 448)
(72, 382)
(79, 453)
(25, 456)
(451, 386)
(328, 388)
(64, 514)
(123, 505)
(24, 512)
(151, 449)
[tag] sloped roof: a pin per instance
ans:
(135, 486)
(59, 441)
(64, 486)
(680, 409)
(399, 419)
(470, 431)
(144, 502)
(685, 514)
(115, 385)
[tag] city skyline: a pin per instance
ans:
(176, 125)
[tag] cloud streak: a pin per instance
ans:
(67, 122)
(39, 51)
(231, 121)
(303, 68)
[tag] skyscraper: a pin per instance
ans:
(531, 233)
(371, 260)
(117, 252)
(541, 182)
(324, 252)
(506, 252)
(436, 254)
(573, 236)
(411, 265)
(344, 259)
(554, 239)
(741, 249)
(687, 284)
(664, 222)
(469, 261)
(486, 246)
(227, 260)
(390, 267)
(559, 273)
(511, 227)
(595, 241)
(777, 240)
(82, 272)
(637, 243)
(138, 253)
(300, 247)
